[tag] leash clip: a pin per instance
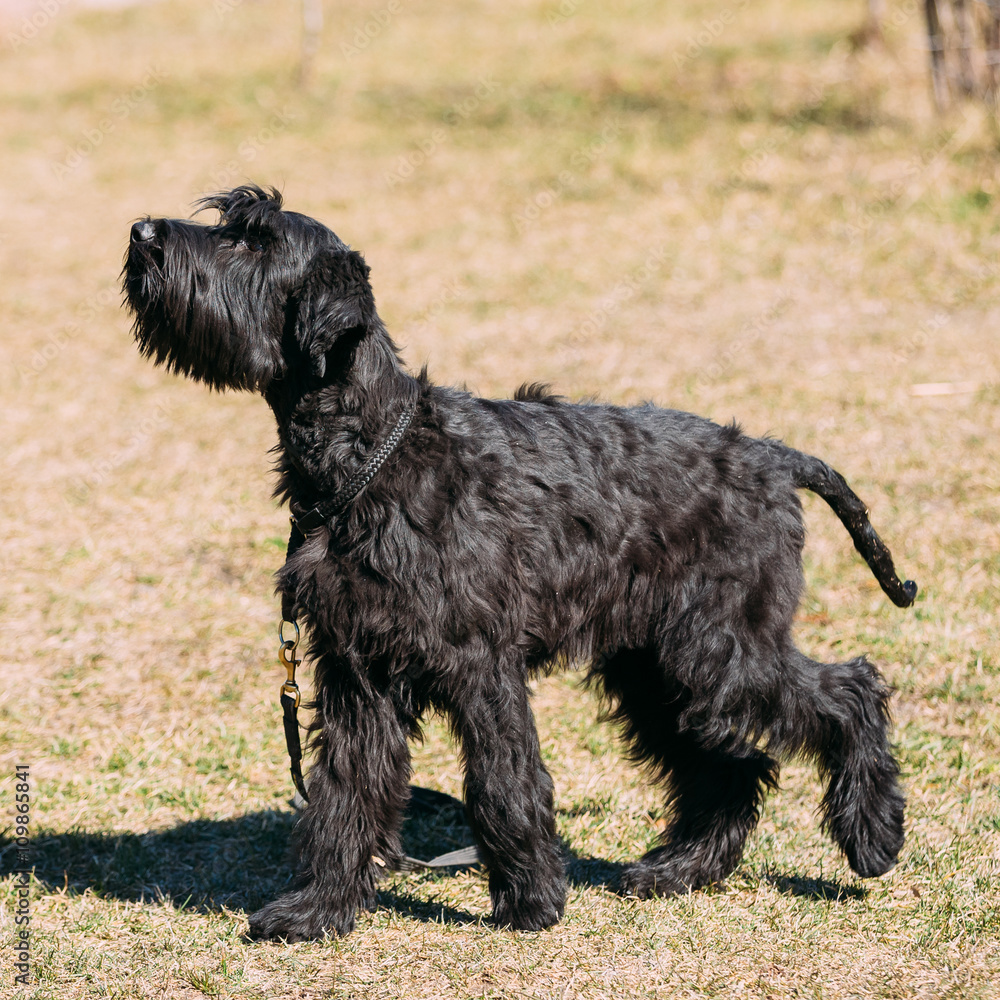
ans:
(290, 698)
(288, 659)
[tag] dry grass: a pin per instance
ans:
(771, 227)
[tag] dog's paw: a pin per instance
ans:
(870, 857)
(299, 916)
(872, 837)
(644, 879)
(529, 910)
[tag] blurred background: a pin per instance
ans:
(743, 208)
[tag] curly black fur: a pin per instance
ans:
(500, 538)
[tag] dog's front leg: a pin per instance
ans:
(508, 795)
(358, 789)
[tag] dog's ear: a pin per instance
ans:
(335, 297)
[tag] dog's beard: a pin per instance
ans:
(209, 328)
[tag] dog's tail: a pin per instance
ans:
(812, 474)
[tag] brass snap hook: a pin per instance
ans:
(288, 659)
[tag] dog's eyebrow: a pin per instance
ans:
(247, 218)
(241, 227)
(248, 202)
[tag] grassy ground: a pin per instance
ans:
(723, 208)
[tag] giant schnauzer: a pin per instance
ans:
(451, 548)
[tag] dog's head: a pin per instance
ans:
(261, 295)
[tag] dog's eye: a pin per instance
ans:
(249, 243)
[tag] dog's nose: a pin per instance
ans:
(143, 232)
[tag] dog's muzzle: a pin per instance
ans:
(145, 248)
(143, 232)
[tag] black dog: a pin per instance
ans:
(453, 547)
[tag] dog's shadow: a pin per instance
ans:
(202, 865)
(242, 863)
(818, 889)
(436, 823)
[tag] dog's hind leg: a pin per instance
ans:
(714, 793)
(349, 834)
(838, 714)
(508, 795)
